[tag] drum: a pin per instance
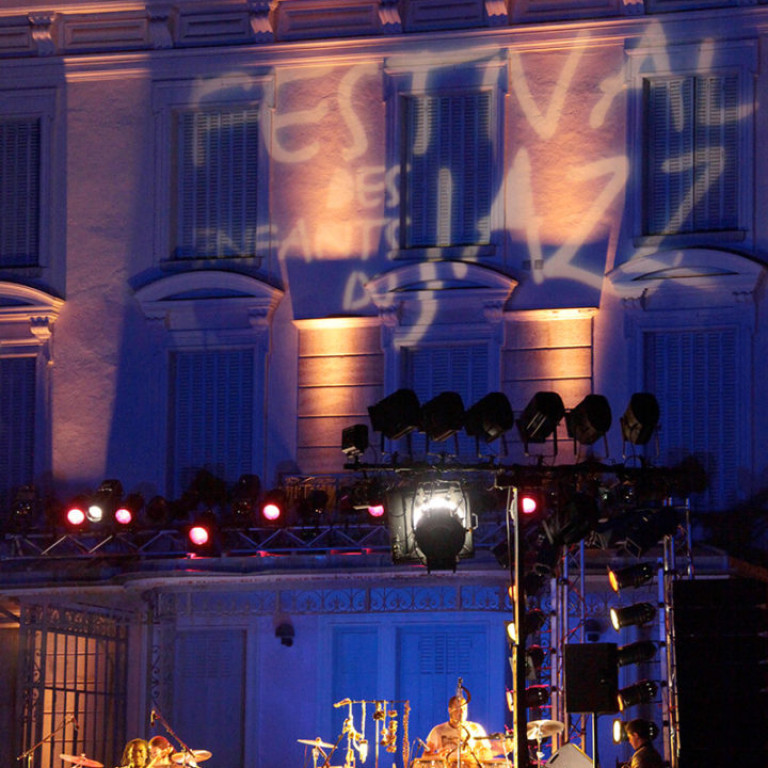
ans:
(428, 762)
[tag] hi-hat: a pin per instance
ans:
(541, 729)
(81, 760)
(192, 757)
(315, 743)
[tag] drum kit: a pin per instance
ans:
(537, 730)
(189, 758)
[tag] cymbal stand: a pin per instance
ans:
(184, 748)
(28, 754)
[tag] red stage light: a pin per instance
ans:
(199, 535)
(528, 503)
(376, 510)
(75, 515)
(123, 515)
(271, 511)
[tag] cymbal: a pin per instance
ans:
(315, 743)
(541, 729)
(81, 760)
(191, 757)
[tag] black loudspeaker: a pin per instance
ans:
(721, 651)
(591, 678)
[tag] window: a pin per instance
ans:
(446, 170)
(217, 189)
(691, 129)
(692, 163)
(211, 414)
(19, 192)
(215, 338)
(17, 417)
(444, 134)
(690, 319)
(212, 170)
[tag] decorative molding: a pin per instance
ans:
(306, 19)
(159, 31)
(42, 32)
(389, 17)
(261, 21)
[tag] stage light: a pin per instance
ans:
(245, 499)
(534, 658)
(572, 520)
(103, 504)
(312, 505)
(203, 536)
(530, 501)
(127, 511)
(536, 696)
(25, 511)
(638, 693)
(396, 415)
(589, 420)
(490, 417)
(158, 512)
(534, 621)
(632, 615)
(441, 521)
(636, 653)
(648, 527)
(632, 576)
(74, 514)
(540, 417)
(377, 511)
(443, 416)
(354, 440)
(620, 731)
(640, 419)
(273, 506)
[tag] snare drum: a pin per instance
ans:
(428, 762)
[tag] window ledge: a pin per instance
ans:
(447, 252)
(692, 239)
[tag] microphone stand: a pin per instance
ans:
(28, 754)
(184, 748)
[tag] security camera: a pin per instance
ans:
(286, 633)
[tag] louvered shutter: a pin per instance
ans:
(19, 192)
(447, 169)
(429, 371)
(211, 414)
(696, 380)
(17, 424)
(717, 157)
(217, 189)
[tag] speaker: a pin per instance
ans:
(569, 756)
(591, 677)
(721, 649)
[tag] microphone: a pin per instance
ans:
(152, 717)
(342, 703)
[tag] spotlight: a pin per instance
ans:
(648, 527)
(620, 731)
(529, 501)
(74, 512)
(24, 509)
(536, 696)
(396, 415)
(589, 420)
(534, 658)
(534, 621)
(126, 512)
(354, 440)
(245, 497)
(158, 512)
(104, 502)
(490, 417)
(638, 693)
(640, 419)
(540, 417)
(573, 520)
(631, 576)
(203, 536)
(636, 653)
(273, 507)
(443, 416)
(312, 506)
(632, 615)
(440, 519)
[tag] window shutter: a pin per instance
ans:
(17, 424)
(211, 414)
(19, 192)
(447, 169)
(717, 156)
(217, 212)
(694, 376)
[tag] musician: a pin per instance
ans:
(639, 735)
(443, 739)
(135, 754)
(160, 750)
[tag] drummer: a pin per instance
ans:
(443, 739)
(160, 750)
(135, 754)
